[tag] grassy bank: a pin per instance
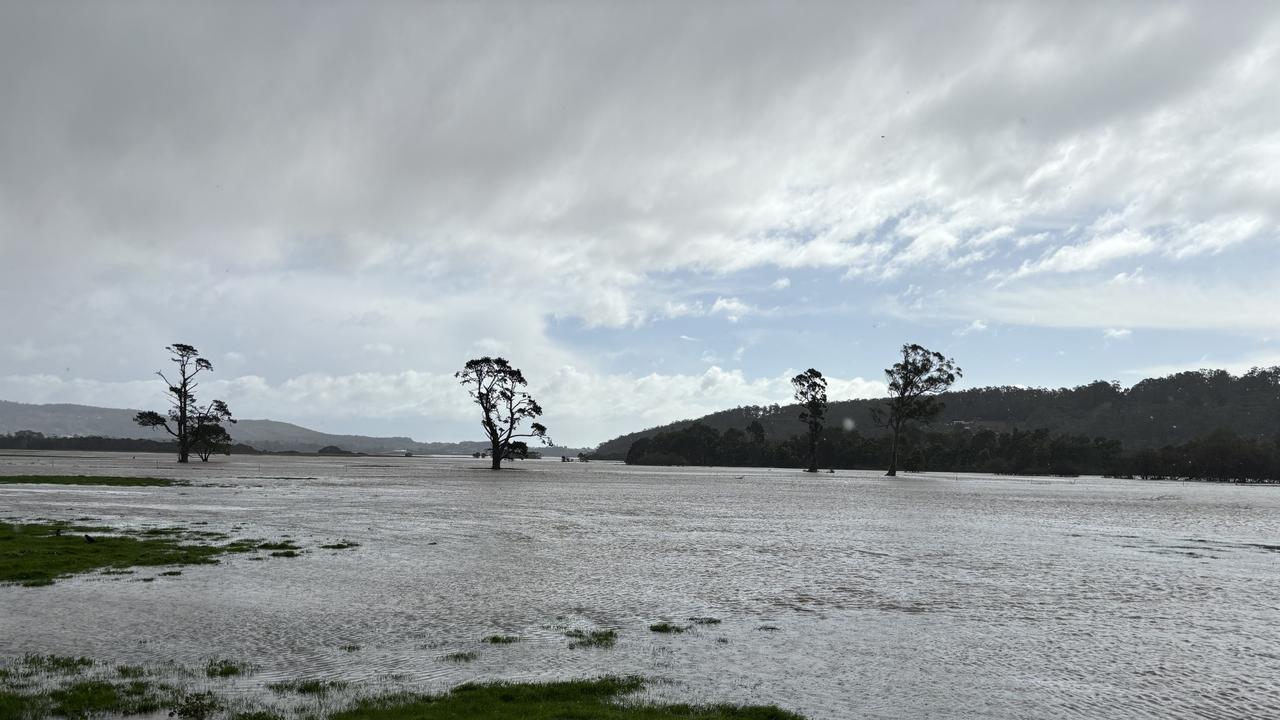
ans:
(38, 554)
(109, 481)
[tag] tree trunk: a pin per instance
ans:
(496, 452)
(893, 456)
(813, 454)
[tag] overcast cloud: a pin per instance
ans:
(657, 210)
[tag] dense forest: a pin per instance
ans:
(1222, 455)
(1155, 413)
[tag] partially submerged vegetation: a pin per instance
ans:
(592, 638)
(38, 687)
(668, 628)
(595, 699)
(107, 480)
(37, 554)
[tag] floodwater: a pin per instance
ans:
(926, 596)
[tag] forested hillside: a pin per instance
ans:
(1154, 413)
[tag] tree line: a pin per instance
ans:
(1219, 456)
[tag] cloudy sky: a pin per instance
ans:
(656, 209)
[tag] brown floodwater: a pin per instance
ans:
(923, 596)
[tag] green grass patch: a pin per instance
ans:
(87, 480)
(342, 545)
(98, 697)
(131, 672)
(349, 648)
(55, 664)
(286, 554)
(668, 628)
(36, 554)
(578, 700)
(501, 639)
(226, 668)
(460, 657)
(306, 687)
(591, 638)
(704, 620)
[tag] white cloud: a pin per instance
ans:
(731, 307)
(1117, 333)
(976, 326)
(781, 283)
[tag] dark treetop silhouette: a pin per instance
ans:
(496, 388)
(811, 393)
(914, 384)
(193, 426)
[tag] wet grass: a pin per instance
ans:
(460, 657)
(704, 620)
(88, 698)
(668, 628)
(349, 648)
(306, 687)
(87, 480)
(582, 699)
(591, 638)
(38, 554)
(341, 545)
(501, 639)
(53, 686)
(226, 668)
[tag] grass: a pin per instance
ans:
(306, 687)
(98, 697)
(460, 657)
(226, 668)
(704, 620)
(579, 700)
(668, 628)
(38, 554)
(87, 480)
(65, 692)
(341, 545)
(501, 639)
(591, 638)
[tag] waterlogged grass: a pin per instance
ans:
(87, 480)
(668, 628)
(39, 687)
(306, 687)
(460, 657)
(37, 554)
(582, 699)
(704, 620)
(501, 639)
(591, 638)
(341, 545)
(226, 668)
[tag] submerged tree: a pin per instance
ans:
(497, 388)
(811, 393)
(209, 436)
(186, 421)
(914, 384)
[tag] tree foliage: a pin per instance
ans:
(497, 388)
(811, 392)
(914, 385)
(195, 427)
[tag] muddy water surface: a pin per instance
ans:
(839, 596)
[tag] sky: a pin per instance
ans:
(656, 210)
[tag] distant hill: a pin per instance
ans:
(64, 420)
(1153, 413)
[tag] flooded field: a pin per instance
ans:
(839, 596)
